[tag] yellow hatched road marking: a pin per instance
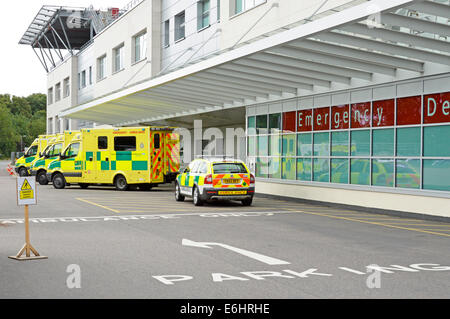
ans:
(98, 205)
(380, 224)
(428, 225)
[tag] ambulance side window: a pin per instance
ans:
(202, 168)
(102, 142)
(125, 143)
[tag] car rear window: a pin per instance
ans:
(229, 168)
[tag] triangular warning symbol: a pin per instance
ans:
(26, 185)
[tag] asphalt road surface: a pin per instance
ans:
(102, 243)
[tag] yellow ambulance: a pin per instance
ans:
(24, 163)
(51, 153)
(124, 157)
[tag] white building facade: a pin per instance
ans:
(339, 101)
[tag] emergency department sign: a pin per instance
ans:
(26, 191)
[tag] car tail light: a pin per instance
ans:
(208, 179)
(252, 179)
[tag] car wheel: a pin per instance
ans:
(247, 201)
(121, 183)
(59, 182)
(178, 196)
(196, 197)
(23, 172)
(83, 185)
(41, 177)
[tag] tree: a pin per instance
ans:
(8, 136)
(37, 101)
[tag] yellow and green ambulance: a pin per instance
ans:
(124, 157)
(51, 153)
(24, 163)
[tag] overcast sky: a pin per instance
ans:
(21, 72)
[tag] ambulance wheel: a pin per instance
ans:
(23, 172)
(247, 201)
(196, 197)
(41, 177)
(59, 182)
(83, 185)
(121, 183)
(178, 196)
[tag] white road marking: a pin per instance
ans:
(262, 258)
(116, 217)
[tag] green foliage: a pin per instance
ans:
(22, 119)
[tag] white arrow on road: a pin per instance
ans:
(262, 258)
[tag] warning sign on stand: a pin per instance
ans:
(26, 191)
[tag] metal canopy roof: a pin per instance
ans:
(339, 51)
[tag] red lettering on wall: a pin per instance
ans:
(289, 122)
(409, 110)
(340, 117)
(360, 115)
(436, 108)
(321, 119)
(383, 113)
(304, 121)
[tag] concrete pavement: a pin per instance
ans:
(130, 245)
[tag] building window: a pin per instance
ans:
(218, 10)
(118, 58)
(90, 75)
(140, 46)
(202, 14)
(58, 92)
(244, 5)
(66, 124)
(166, 33)
(83, 79)
(395, 143)
(101, 67)
(66, 87)
(57, 124)
(50, 96)
(180, 26)
(50, 125)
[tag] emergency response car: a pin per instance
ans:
(51, 153)
(137, 156)
(24, 163)
(215, 179)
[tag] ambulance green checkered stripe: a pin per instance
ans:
(56, 164)
(196, 179)
(29, 159)
(123, 156)
(39, 163)
(135, 165)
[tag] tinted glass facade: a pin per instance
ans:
(393, 143)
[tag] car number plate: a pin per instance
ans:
(232, 192)
(231, 181)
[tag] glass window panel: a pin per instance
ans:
(251, 125)
(339, 170)
(383, 142)
(262, 167)
(383, 172)
(289, 142)
(360, 171)
(275, 123)
(304, 169)
(322, 144)
(252, 146)
(304, 144)
(360, 144)
(436, 175)
(288, 165)
(263, 146)
(408, 173)
(339, 142)
(275, 145)
(435, 141)
(321, 170)
(408, 141)
(261, 124)
(275, 167)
